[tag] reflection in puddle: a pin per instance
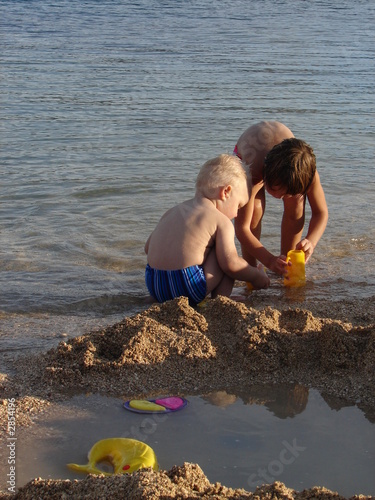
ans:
(282, 400)
(286, 433)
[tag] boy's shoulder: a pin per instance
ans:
(192, 208)
(205, 211)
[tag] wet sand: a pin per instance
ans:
(175, 349)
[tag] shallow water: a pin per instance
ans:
(108, 110)
(286, 433)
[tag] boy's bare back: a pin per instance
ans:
(186, 233)
(254, 144)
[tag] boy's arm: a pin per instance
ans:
(319, 218)
(230, 262)
(252, 247)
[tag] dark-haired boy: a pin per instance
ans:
(285, 167)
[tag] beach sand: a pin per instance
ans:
(326, 345)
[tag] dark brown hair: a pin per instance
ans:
(291, 165)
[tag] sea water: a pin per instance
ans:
(272, 433)
(108, 109)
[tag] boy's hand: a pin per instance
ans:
(278, 264)
(263, 281)
(307, 247)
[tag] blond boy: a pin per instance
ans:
(192, 251)
(285, 167)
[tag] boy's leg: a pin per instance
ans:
(293, 222)
(218, 283)
(225, 287)
(256, 224)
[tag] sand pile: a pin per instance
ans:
(185, 482)
(173, 348)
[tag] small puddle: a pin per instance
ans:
(271, 433)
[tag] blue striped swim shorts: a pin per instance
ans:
(166, 285)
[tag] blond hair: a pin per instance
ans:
(221, 171)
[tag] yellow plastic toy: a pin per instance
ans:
(145, 405)
(124, 454)
(295, 275)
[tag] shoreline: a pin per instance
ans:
(329, 346)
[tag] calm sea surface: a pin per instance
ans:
(108, 109)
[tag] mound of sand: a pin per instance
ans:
(185, 482)
(174, 348)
